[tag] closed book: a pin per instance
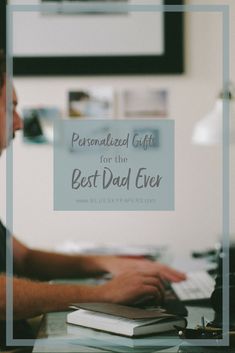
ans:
(123, 320)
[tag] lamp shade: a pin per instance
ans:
(208, 131)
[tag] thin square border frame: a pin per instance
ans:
(224, 10)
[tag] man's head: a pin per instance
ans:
(17, 124)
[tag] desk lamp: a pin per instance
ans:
(208, 130)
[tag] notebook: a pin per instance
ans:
(123, 320)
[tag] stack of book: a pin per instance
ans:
(123, 320)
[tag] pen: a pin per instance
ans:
(203, 322)
(214, 329)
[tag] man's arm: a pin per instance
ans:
(46, 265)
(33, 298)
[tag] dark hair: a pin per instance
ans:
(2, 68)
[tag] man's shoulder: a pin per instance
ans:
(2, 230)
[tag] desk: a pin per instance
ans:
(71, 338)
(75, 339)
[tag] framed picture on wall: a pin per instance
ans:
(144, 103)
(94, 103)
(71, 40)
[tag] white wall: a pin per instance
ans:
(197, 219)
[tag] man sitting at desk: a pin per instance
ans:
(33, 295)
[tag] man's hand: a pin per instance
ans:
(117, 265)
(32, 298)
(129, 288)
